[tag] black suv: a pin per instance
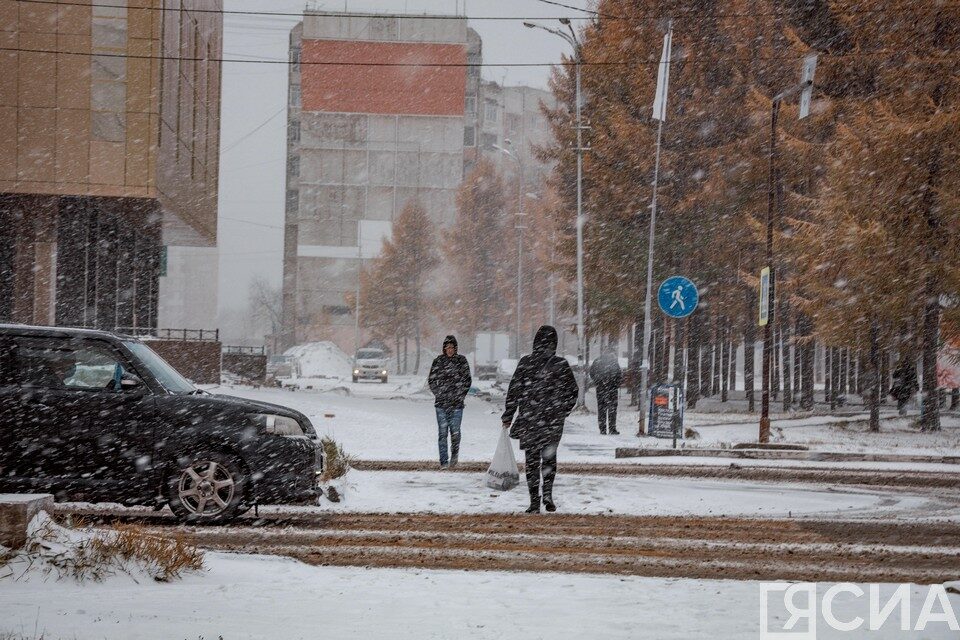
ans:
(93, 415)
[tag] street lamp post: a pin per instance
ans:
(571, 38)
(805, 88)
(519, 226)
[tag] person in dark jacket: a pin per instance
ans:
(607, 375)
(542, 393)
(449, 381)
(905, 383)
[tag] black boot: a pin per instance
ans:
(534, 505)
(548, 502)
(614, 432)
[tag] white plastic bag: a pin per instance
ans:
(502, 474)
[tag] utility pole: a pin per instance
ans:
(805, 88)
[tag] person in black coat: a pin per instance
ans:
(542, 393)
(607, 375)
(449, 381)
(905, 384)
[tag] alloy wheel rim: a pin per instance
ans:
(206, 488)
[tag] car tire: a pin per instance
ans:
(383, 380)
(207, 487)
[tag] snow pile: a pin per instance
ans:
(321, 360)
(95, 555)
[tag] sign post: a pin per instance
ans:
(666, 412)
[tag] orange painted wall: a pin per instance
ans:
(389, 90)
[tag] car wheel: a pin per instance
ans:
(383, 379)
(354, 378)
(207, 488)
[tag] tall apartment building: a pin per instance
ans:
(510, 117)
(363, 141)
(109, 151)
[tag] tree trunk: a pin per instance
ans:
(749, 344)
(679, 340)
(836, 356)
(416, 356)
(954, 399)
(731, 360)
(717, 359)
(786, 339)
(692, 389)
(406, 352)
(874, 381)
(930, 409)
(777, 356)
(807, 356)
(828, 377)
(722, 362)
(884, 374)
(399, 362)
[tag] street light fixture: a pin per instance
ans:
(572, 40)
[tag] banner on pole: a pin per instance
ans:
(764, 296)
(663, 78)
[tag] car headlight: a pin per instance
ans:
(384, 372)
(356, 371)
(279, 425)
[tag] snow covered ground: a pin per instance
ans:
(247, 597)
(396, 421)
(445, 492)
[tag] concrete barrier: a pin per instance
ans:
(775, 454)
(16, 512)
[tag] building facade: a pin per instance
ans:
(109, 151)
(363, 141)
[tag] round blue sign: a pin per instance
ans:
(678, 297)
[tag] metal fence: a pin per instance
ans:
(197, 335)
(247, 351)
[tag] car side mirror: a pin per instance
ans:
(130, 382)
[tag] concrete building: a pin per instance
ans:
(362, 142)
(510, 117)
(109, 151)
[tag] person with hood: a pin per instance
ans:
(607, 375)
(905, 384)
(449, 381)
(542, 394)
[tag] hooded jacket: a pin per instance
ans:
(542, 394)
(606, 372)
(449, 377)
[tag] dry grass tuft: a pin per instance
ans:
(338, 462)
(90, 554)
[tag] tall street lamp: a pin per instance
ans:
(571, 38)
(519, 226)
(805, 89)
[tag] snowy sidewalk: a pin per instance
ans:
(253, 597)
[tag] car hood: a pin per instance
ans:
(219, 403)
(375, 363)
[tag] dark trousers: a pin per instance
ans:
(541, 460)
(607, 408)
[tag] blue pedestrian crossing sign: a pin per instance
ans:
(678, 297)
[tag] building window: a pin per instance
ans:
(293, 131)
(470, 105)
(292, 199)
(469, 136)
(488, 140)
(295, 59)
(491, 111)
(294, 94)
(293, 166)
(337, 310)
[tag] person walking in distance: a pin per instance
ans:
(449, 381)
(542, 394)
(607, 375)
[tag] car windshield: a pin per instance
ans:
(168, 377)
(369, 354)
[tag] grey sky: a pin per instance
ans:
(252, 164)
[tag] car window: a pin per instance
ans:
(369, 354)
(52, 363)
